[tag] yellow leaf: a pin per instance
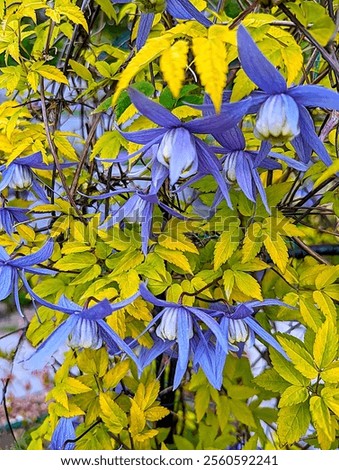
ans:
(330, 171)
(252, 242)
(76, 262)
(174, 257)
(64, 146)
(74, 386)
(80, 70)
(211, 65)
(173, 63)
(151, 50)
(331, 373)
(138, 420)
(325, 345)
(155, 413)
(73, 13)
(248, 285)
(181, 243)
(51, 73)
(300, 357)
(321, 417)
(326, 305)
(228, 280)
(111, 414)
(226, 245)
(114, 375)
(277, 250)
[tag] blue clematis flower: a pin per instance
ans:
(238, 165)
(84, 328)
(19, 176)
(179, 150)
(281, 111)
(11, 269)
(9, 216)
(239, 326)
(137, 209)
(64, 431)
(179, 9)
(179, 333)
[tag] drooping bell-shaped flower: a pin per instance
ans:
(85, 335)
(177, 152)
(21, 178)
(282, 110)
(277, 120)
(83, 328)
(238, 331)
(180, 332)
(168, 327)
(19, 175)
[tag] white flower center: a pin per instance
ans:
(277, 120)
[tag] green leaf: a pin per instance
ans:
(293, 395)
(325, 345)
(301, 358)
(321, 417)
(242, 412)
(81, 70)
(286, 369)
(201, 402)
(293, 422)
(272, 380)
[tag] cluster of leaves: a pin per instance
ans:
(65, 73)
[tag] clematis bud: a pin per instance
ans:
(229, 167)
(238, 331)
(277, 119)
(86, 335)
(22, 178)
(151, 6)
(168, 328)
(178, 153)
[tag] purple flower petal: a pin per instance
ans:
(6, 281)
(111, 338)
(259, 330)
(308, 133)
(229, 117)
(315, 96)
(45, 351)
(145, 25)
(257, 67)
(184, 10)
(38, 257)
(153, 111)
